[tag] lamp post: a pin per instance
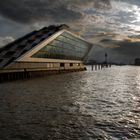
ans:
(106, 58)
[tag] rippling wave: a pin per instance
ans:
(102, 105)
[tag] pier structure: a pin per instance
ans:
(99, 66)
(53, 49)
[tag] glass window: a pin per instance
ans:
(64, 46)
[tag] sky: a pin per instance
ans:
(111, 25)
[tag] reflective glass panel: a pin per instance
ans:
(65, 46)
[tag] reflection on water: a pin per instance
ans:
(89, 105)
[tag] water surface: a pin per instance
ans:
(89, 105)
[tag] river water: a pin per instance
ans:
(89, 105)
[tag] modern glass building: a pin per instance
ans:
(50, 48)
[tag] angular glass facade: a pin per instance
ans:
(65, 46)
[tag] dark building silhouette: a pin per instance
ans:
(137, 61)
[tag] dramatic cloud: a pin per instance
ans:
(57, 10)
(113, 15)
(111, 24)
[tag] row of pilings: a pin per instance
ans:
(14, 76)
(99, 66)
(32, 74)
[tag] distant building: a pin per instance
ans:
(50, 48)
(137, 61)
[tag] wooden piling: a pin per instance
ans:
(92, 67)
(95, 67)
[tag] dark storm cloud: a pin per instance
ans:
(128, 48)
(26, 11)
(29, 11)
(9, 28)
